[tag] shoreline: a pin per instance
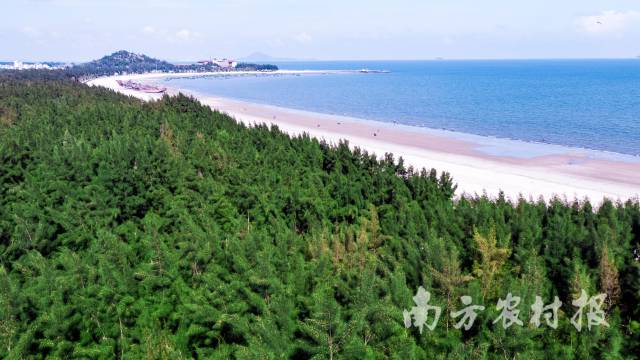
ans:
(478, 164)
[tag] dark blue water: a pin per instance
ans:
(593, 104)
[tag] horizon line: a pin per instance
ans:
(287, 60)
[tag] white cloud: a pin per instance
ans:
(30, 31)
(149, 30)
(184, 34)
(609, 22)
(173, 36)
(303, 38)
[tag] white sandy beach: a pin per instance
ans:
(556, 171)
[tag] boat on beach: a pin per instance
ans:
(369, 71)
(131, 85)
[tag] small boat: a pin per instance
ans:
(130, 85)
(154, 90)
(369, 71)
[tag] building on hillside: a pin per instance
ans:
(225, 63)
(221, 63)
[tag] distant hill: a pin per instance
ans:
(127, 62)
(124, 61)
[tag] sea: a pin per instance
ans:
(590, 104)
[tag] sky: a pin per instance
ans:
(182, 30)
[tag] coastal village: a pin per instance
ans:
(19, 65)
(221, 63)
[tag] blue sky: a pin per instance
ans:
(78, 30)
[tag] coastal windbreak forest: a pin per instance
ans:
(165, 230)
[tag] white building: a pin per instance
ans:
(225, 63)
(19, 65)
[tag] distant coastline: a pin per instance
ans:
(111, 82)
(547, 172)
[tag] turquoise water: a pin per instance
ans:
(592, 104)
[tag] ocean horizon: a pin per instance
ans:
(590, 104)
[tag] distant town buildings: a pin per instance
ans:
(221, 63)
(19, 65)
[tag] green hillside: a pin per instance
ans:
(164, 230)
(122, 61)
(127, 62)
